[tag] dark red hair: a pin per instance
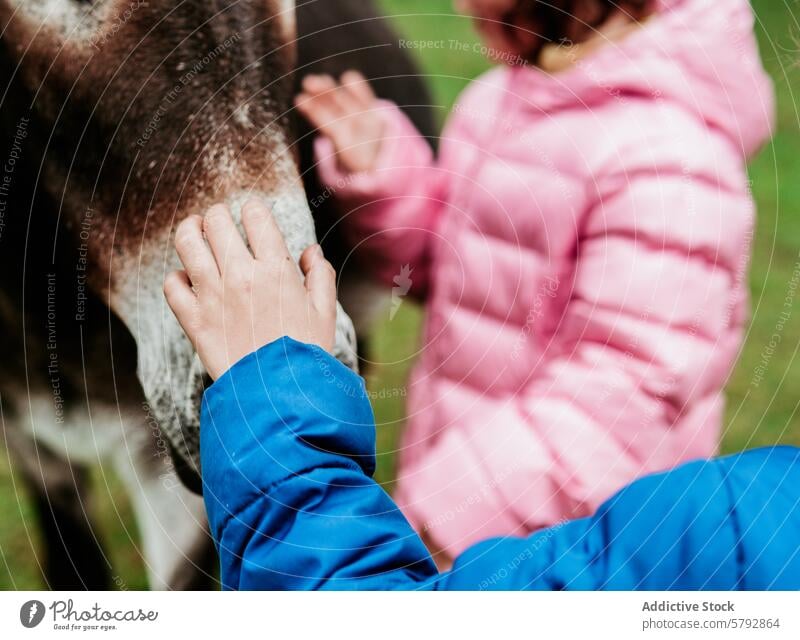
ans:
(564, 21)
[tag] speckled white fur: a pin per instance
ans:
(168, 368)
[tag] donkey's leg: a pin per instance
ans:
(177, 548)
(73, 556)
(75, 559)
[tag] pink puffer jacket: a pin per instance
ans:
(582, 244)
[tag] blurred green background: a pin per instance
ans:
(758, 414)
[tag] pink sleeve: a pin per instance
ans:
(390, 213)
(642, 352)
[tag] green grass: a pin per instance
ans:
(766, 412)
(757, 415)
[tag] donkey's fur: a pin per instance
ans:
(119, 119)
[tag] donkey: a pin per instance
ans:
(119, 119)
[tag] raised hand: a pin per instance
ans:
(345, 112)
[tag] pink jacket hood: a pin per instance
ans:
(699, 53)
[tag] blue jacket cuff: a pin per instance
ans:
(281, 411)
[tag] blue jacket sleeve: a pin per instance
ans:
(287, 447)
(287, 452)
(725, 524)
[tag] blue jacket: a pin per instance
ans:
(288, 452)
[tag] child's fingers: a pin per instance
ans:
(224, 238)
(180, 298)
(326, 94)
(358, 86)
(343, 102)
(320, 280)
(316, 84)
(193, 252)
(316, 110)
(322, 113)
(263, 234)
(305, 105)
(304, 102)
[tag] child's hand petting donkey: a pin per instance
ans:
(231, 302)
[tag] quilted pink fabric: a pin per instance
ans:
(582, 243)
